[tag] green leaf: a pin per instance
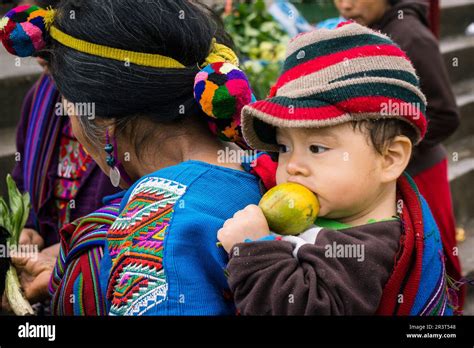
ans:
(16, 205)
(26, 209)
(251, 16)
(259, 6)
(19, 208)
(252, 32)
(5, 215)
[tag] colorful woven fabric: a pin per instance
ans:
(22, 30)
(335, 76)
(41, 141)
(418, 284)
(73, 164)
(137, 280)
(440, 202)
(74, 285)
(222, 90)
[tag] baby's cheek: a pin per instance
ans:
(281, 174)
(340, 194)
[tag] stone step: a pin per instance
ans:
(7, 164)
(469, 301)
(458, 55)
(12, 66)
(7, 155)
(7, 141)
(466, 256)
(464, 92)
(455, 16)
(16, 78)
(461, 177)
(466, 248)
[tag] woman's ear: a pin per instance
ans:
(396, 157)
(105, 126)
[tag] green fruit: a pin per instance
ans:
(289, 208)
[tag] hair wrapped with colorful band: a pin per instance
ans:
(221, 88)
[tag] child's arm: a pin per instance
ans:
(266, 278)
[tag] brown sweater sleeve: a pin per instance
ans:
(267, 280)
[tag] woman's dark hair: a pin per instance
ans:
(180, 29)
(47, 3)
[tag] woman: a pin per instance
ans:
(152, 138)
(63, 181)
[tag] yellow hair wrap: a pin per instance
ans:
(219, 52)
(49, 18)
(138, 58)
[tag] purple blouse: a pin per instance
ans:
(93, 184)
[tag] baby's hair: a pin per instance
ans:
(382, 131)
(379, 132)
(180, 29)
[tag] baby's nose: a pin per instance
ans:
(297, 167)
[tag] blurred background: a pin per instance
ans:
(260, 34)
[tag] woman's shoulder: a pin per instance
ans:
(192, 171)
(201, 187)
(196, 176)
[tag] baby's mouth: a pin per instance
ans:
(300, 182)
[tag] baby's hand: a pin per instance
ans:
(248, 223)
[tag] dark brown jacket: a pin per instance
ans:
(267, 279)
(407, 24)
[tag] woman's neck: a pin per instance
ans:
(174, 144)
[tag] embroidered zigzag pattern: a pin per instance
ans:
(138, 281)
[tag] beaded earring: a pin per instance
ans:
(110, 149)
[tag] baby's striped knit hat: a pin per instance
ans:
(332, 76)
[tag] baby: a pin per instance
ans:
(343, 118)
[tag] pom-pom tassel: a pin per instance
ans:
(23, 30)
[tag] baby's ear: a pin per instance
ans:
(396, 157)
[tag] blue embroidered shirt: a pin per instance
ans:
(161, 256)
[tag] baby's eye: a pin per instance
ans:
(282, 148)
(317, 148)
